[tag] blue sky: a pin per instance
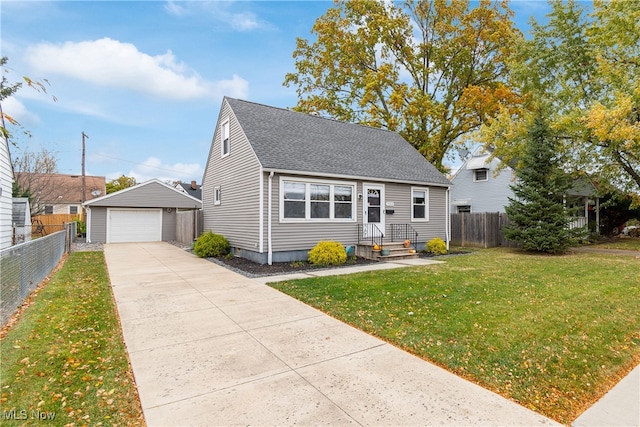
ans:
(145, 79)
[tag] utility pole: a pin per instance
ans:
(84, 197)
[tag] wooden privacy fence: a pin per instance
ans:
(188, 226)
(42, 225)
(482, 229)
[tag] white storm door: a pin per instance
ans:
(373, 210)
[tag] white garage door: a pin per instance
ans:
(134, 225)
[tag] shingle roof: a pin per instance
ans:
(292, 141)
(193, 192)
(58, 188)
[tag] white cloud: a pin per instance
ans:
(173, 8)
(153, 167)
(15, 109)
(222, 12)
(112, 63)
(246, 21)
(237, 87)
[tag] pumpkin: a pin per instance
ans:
(376, 247)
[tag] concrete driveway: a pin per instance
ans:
(212, 347)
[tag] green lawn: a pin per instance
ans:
(631, 244)
(64, 360)
(551, 332)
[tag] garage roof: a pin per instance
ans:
(149, 194)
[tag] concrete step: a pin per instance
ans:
(397, 256)
(397, 251)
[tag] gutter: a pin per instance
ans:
(355, 177)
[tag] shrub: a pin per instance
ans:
(328, 253)
(211, 245)
(81, 227)
(436, 246)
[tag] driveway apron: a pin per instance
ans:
(211, 347)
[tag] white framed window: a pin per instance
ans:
(316, 200)
(224, 135)
(73, 210)
(419, 204)
(480, 175)
(216, 195)
(48, 209)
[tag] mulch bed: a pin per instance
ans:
(251, 269)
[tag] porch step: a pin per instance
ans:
(397, 256)
(397, 251)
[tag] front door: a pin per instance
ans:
(373, 210)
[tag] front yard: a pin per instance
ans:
(551, 332)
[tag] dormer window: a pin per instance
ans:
(480, 175)
(226, 148)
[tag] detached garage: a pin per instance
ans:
(146, 212)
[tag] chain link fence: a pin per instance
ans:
(24, 266)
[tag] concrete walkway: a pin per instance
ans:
(619, 407)
(212, 347)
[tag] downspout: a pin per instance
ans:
(88, 225)
(447, 213)
(269, 248)
(261, 216)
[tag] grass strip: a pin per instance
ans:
(551, 332)
(628, 244)
(64, 361)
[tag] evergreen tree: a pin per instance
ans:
(538, 217)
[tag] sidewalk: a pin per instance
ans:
(212, 347)
(619, 407)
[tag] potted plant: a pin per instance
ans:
(384, 252)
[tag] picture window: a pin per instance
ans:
(316, 201)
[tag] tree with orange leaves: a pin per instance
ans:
(583, 66)
(432, 70)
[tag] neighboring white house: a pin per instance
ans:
(6, 199)
(480, 186)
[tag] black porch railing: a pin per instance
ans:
(401, 232)
(370, 233)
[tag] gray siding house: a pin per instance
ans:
(143, 213)
(277, 182)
